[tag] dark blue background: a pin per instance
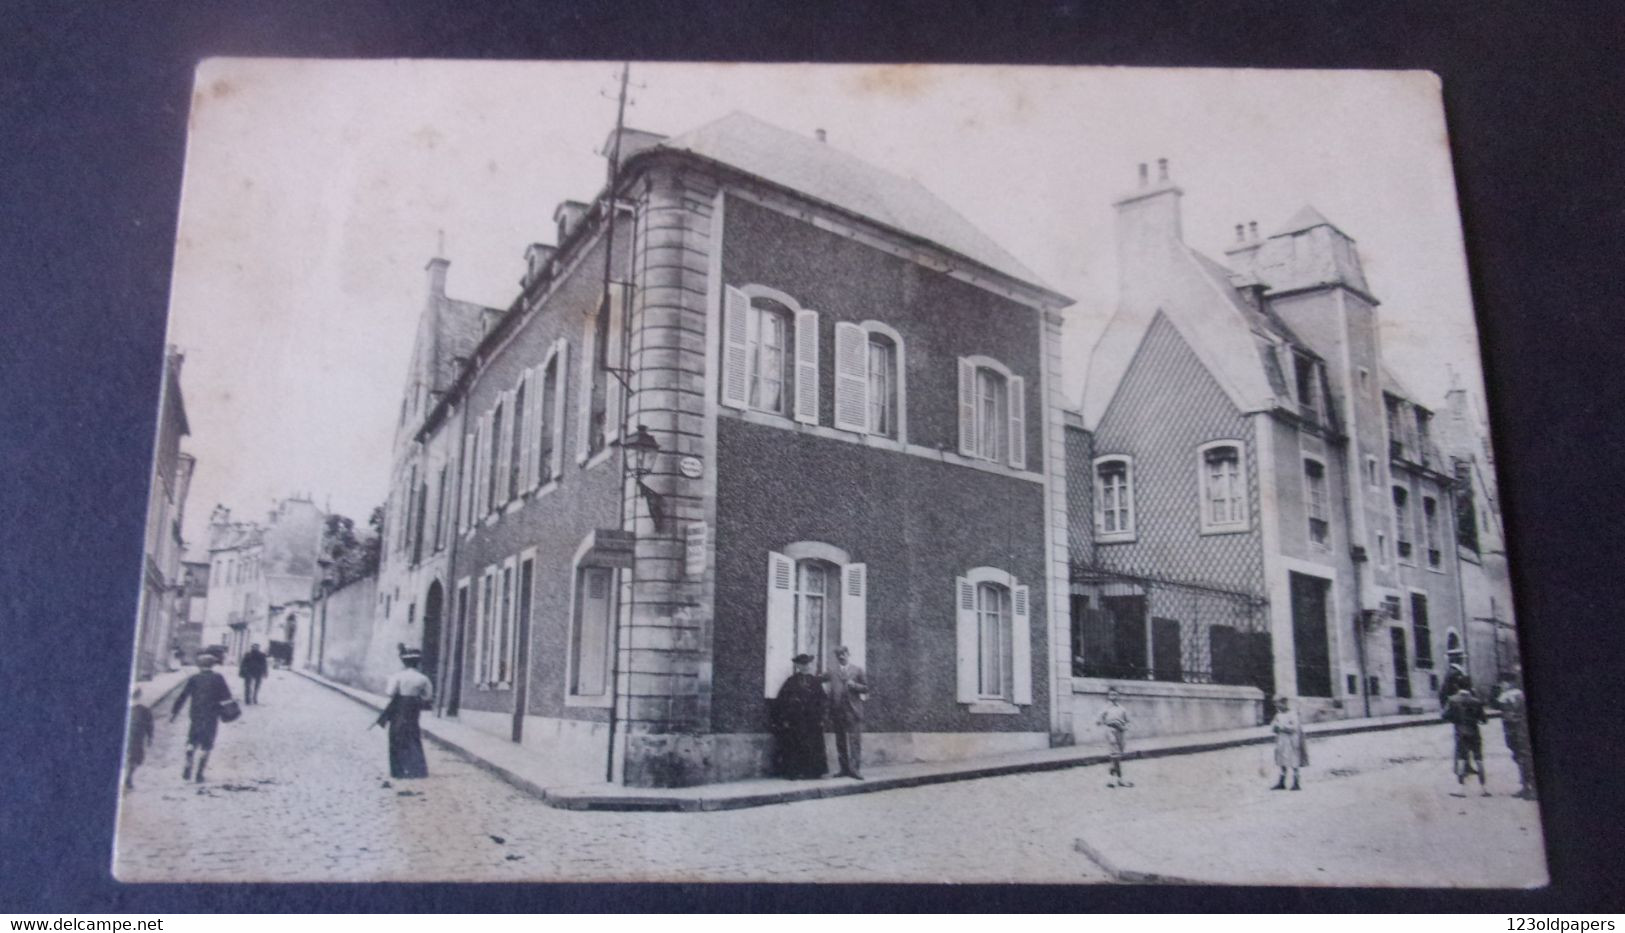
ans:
(93, 103)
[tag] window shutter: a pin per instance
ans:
(781, 611)
(736, 351)
(505, 452)
(854, 611)
(476, 500)
(1021, 646)
(851, 377)
(482, 475)
(614, 388)
(560, 380)
(589, 340)
(967, 408)
(807, 366)
(527, 433)
(1018, 422)
(965, 613)
(465, 475)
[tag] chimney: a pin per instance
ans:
(437, 276)
(1243, 254)
(1149, 217)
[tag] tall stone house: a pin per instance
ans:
(161, 583)
(853, 396)
(1258, 507)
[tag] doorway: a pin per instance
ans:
(453, 687)
(433, 609)
(521, 669)
(1309, 641)
(1402, 664)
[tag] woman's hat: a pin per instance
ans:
(803, 659)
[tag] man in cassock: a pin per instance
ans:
(409, 692)
(798, 723)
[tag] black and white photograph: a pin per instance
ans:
(603, 471)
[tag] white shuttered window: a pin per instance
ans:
(992, 412)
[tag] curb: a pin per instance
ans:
(655, 802)
(1124, 875)
(503, 774)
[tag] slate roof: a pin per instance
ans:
(459, 327)
(823, 172)
(1306, 218)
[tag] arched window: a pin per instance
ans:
(1114, 498)
(1314, 492)
(818, 611)
(994, 641)
(869, 379)
(767, 338)
(992, 412)
(770, 354)
(882, 385)
(1222, 479)
(1402, 523)
(817, 599)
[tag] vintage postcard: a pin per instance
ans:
(685, 472)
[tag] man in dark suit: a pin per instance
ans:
(252, 668)
(848, 687)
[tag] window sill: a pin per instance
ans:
(1226, 529)
(596, 459)
(993, 708)
(1118, 537)
(600, 702)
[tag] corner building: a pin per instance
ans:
(859, 442)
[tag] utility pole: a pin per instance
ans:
(612, 177)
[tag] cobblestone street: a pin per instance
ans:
(298, 790)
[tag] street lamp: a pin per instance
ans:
(643, 449)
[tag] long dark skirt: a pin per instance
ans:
(406, 742)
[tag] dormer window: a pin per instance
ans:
(1306, 380)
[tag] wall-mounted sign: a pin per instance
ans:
(691, 467)
(694, 549)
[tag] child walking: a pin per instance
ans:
(140, 736)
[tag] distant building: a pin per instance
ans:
(191, 608)
(1258, 506)
(262, 579)
(853, 394)
(166, 508)
(1488, 645)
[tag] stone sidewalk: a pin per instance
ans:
(530, 772)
